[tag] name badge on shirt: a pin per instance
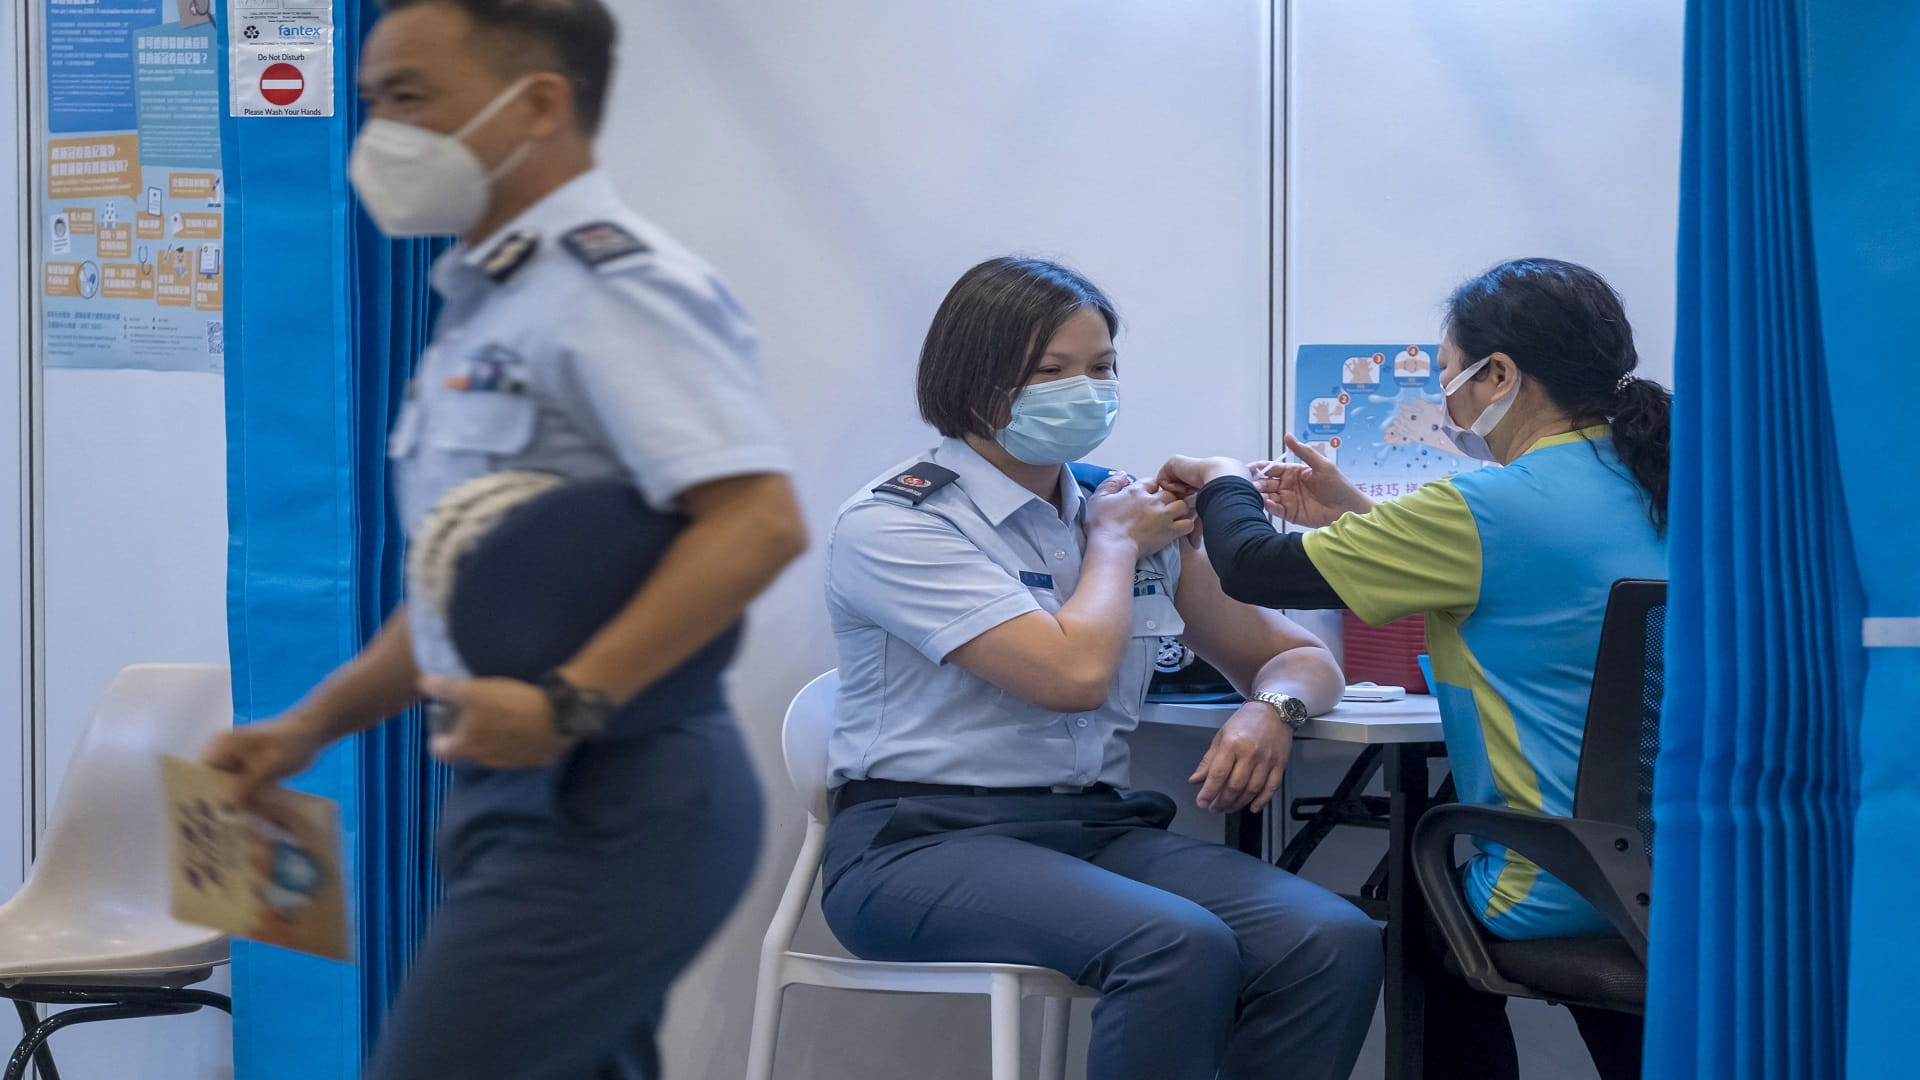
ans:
(1036, 581)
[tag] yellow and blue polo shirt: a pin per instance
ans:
(1511, 567)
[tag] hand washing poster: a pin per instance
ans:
(1375, 411)
(132, 228)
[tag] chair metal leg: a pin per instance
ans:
(768, 1001)
(1055, 1016)
(59, 994)
(36, 1039)
(29, 1020)
(1004, 1003)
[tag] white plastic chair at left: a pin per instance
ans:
(91, 926)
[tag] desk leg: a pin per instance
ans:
(1405, 983)
(1245, 831)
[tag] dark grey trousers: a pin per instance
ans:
(1211, 963)
(575, 895)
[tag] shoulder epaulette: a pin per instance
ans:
(602, 242)
(917, 482)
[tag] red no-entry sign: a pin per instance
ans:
(282, 84)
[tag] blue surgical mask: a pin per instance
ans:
(1472, 439)
(1061, 421)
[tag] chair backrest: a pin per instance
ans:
(1622, 738)
(809, 724)
(107, 838)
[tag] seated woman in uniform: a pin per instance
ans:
(1511, 567)
(996, 629)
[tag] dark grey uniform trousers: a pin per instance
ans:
(575, 895)
(1210, 963)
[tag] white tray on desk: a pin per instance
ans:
(1411, 720)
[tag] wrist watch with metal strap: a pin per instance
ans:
(1292, 709)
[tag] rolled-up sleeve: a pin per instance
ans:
(919, 578)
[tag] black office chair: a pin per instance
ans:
(1603, 851)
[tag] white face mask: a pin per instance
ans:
(418, 182)
(1472, 439)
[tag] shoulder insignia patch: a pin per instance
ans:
(918, 482)
(602, 242)
(509, 255)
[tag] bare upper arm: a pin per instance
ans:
(765, 501)
(1238, 639)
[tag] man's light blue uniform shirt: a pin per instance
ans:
(639, 365)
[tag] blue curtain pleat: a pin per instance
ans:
(1755, 786)
(1864, 142)
(326, 318)
(401, 784)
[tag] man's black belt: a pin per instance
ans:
(855, 792)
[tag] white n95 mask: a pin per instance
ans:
(1472, 439)
(418, 182)
(1061, 421)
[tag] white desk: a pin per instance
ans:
(1416, 719)
(1398, 737)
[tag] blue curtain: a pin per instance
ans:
(1755, 786)
(325, 319)
(1789, 783)
(1864, 153)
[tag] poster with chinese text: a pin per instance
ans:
(1375, 411)
(131, 198)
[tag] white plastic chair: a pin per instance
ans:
(91, 926)
(809, 722)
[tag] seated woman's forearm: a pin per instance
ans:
(1064, 661)
(1258, 564)
(1097, 620)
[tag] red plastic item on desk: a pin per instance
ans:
(1388, 655)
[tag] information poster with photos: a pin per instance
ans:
(1375, 411)
(131, 197)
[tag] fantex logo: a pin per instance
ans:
(299, 31)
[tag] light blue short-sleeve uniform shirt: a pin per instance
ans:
(909, 582)
(580, 340)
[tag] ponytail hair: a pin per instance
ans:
(1565, 328)
(1642, 419)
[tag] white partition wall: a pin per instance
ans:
(134, 520)
(113, 532)
(16, 804)
(843, 162)
(1424, 142)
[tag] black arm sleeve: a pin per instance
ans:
(1258, 564)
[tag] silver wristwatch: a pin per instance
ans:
(1292, 709)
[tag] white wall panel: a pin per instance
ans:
(1424, 142)
(843, 162)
